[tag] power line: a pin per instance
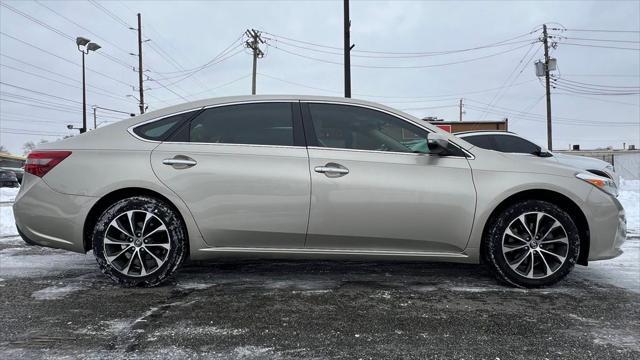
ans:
(59, 32)
(110, 14)
(123, 99)
(39, 92)
(500, 94)
(400, 66)
(63, 59)
(601, 46)
(102, 39)
(595, 85)
(453, 95)
(602, 30)
(423, 53)
(602, 40)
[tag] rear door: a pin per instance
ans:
(243, 171)
(372, 191)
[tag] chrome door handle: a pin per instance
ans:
(332, 170)
(327, 169)
(180, 162)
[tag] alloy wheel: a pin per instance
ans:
(136, 243)
(535, 245)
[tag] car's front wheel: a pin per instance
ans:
(139, 241)
(532, 243)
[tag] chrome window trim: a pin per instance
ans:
(383, 152)
(132, 127)
(470, 155)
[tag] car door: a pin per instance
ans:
(371, 190)
(242, 169)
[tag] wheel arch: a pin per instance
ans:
(555, 198)
(116, 195)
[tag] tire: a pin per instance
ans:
(146, 255)
(510, 249)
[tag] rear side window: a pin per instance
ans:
(481, 141)
(257, 124)
(161, 129)
(514, 144)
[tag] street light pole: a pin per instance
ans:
(84, 46)
(84, 98)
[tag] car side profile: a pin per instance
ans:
(508, 142)
(308, 177)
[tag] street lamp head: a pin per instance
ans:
(81, 41)
(93, 46)
(70, 127)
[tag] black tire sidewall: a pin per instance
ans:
(177, 238)
(493, 243)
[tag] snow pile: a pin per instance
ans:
(7, 223)
(56, 292)
(8, 194)
(629, 196)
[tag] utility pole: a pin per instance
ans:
(140, 84)
(545, 41)
(461, 110)
(253, 42)
(347, 50)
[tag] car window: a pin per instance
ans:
(258, 124)
(481, 141)
(514, 144)
(352, 127)
(161, 129)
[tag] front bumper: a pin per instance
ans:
(607, 225)
(49, 218)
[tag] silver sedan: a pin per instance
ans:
(294, 176)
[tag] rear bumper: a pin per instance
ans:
(49, 218)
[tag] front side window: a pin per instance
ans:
(514, 144)
(352, 127)
(257, 124)
(161, 129)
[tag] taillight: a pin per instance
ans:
(41, 162)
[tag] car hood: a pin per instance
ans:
(498, 161)
(580, 162)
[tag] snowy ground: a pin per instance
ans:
(57, 304)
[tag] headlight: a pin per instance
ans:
(602, 183)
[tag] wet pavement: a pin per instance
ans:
(56, 304)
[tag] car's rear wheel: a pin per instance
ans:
(532, 243)
(139, 241)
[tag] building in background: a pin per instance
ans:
(458, 126)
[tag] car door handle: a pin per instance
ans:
(180, 162)
(332, 170)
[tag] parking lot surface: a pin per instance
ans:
(56, 304)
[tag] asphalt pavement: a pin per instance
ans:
(56, 304)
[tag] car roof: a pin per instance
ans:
(257, 98)
(485, 132)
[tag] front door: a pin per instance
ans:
(375, 188)
(243, 172)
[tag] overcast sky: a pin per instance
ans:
(403, 57)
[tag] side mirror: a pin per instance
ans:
(437, 143)
(542, 153)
